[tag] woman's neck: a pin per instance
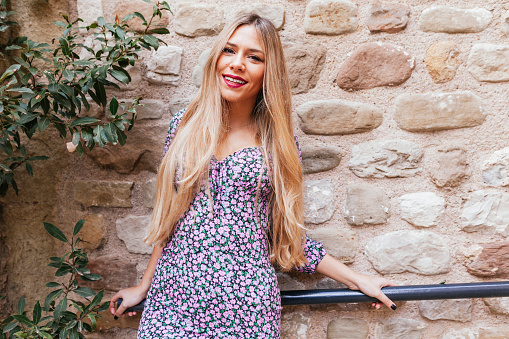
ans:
(241, 114)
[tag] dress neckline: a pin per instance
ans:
(234, 153)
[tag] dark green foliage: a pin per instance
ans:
(55, 92)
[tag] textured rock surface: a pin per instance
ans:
(287, 283)
(330, 17)
(493, 261)
(149, 192)
(332, 117)
(486, 211)
(505, 23)
(438, 111)
(375, 64)
(495, 168)
(399, 328)
(127, 7)
(499, 332)
(93, 232)
(454, 20)
(95, 111)
(422, 208)
(340, 243)
(466, 333)
(453, 309)
(178, 104)
(110, 268)
(89, 11)
(103, 193)
(294, 326)
(420, 252)
(131, 230)
(488, 62)
(197, 75)
(163, 67)
(366, 205)
(386, 159)
(198, 19)
(273, 12)
(318, 201)
(347, 328)
(498, 305)
(442, 61)
(450, 167)
(390, 17)
(151, 109)
(142, 152)
(319, 158)
(304, 61)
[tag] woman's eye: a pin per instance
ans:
(256, 58)
(227, 50)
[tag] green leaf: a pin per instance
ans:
(37, 313)
(119, 75)
(22, 319)
(113, 106)
(91, 277)
(139, 15)
(122, 138)
(85, 292)
(21, 90)
(60, 308)
(10, 327)
(151, 40)
(120, 32)
(110, 131)
(53, 284)
(45, 335)
(65, 46)
(101, 21)
(43, 123)
(9, 72)
(101, 93)
(159, 31)
(29, 169)
(78, 227)
(50, 297)
(63, 270)
(21, 305)
(84, 121)
(55, 232)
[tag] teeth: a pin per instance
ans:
(235, 80)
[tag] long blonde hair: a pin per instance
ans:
(203, 127)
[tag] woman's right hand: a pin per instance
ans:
(130, 297)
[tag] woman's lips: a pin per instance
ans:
(232, 84)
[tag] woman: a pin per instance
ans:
(229, 202)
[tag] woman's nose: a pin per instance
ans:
(237, 63)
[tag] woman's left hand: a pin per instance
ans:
(372, 286)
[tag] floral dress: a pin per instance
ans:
(214, 278)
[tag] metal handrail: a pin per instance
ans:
(395, 293)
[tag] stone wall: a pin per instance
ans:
(401, 111)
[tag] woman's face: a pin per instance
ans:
(241, 66)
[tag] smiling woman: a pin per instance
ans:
(229, 202)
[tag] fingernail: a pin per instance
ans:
(393, 306)
(116, 318)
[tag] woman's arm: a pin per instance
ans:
(134, 295)
(368, 285)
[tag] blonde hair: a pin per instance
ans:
(200, 132)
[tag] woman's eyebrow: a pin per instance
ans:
(249, 49)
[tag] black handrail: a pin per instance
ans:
(395, 293)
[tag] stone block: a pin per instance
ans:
(442, 61)
(330, 17)
(287, 283)
(273, 12)
(465, 333)
(336, 117)
(142, 152)
(494, 169)
(93, 232)
(179, 104)
(390, 17)
(498, 306)
(489, 62)
(444, 19)
(162, 79)
(421, 252)
(149, 192)
(304, 61)
(95, 111)
(318, 201)
(319, 158)
(132, 230)
(117, 273)
(125, 7)
(89, 11)
(198, 19)
(450, 167)
(328, 283)
(486, 211)
(505, 23)
(295, 326)
(198, 70)
(366, 205)
(166, 60)
(422, 209)
(399, 328)
(499, 332)
(427, 112)
(347, 328)
(149, 110)
(374, 64)
(452, 309)
(340, 243)
(103, 193)
(136, 78)
(493, 261)
(385, 159)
